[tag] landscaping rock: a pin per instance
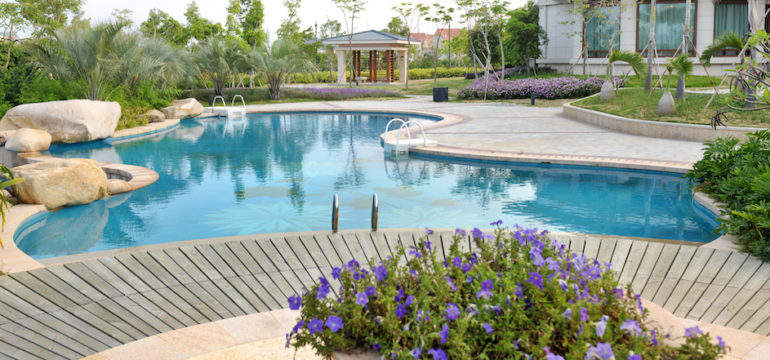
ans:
(68, 121)
(155, 116)
(169, 112)
(186, 108)
(61, 182)
(666, 105)
(28, 140)
(608, 91)
(117, 186)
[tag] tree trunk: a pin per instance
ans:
(473, 54)
(487, 65)
(502, 54)
(650, 47)
(435, 65)
(585, 47)
(449, 44)
(406, 57)
(680, 81)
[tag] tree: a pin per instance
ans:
(277, 62)
(218, 60)
(497, 11)
(396, 26)
(123, 15)
(441, 15)
(162, 25)
(199, 27)
(411, 15)
(251, 24)
(329, 29)
(11, 24)
(350, 10)
(290, 26)
(524, 34)
(651, 49)
(49, 15)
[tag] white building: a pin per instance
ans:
(709, 19)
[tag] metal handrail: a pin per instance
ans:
(242, 101)
(375, 211)
(387, 127)
(409, 135)
(214, 104)
(335, 212)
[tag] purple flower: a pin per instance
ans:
(298, 326)
(334, 323)
(422, 316)
(336, 272)
(654, 337)
(450, 283)
(568, 313)
(551, 356)
(416, 353)
(583, 314)
(721, 342)
(362, 299)
(323, 289)
(488, 328)
(380, 272)
(409, 300)
(452, 312)
(295, 302)
(634, 357)
(376, 346)
(427, 244)
(438, 354)
(457, 262)
(460, 232)
(415, 253)
(536, 279)
(601, 326)
(371, 290)
(467, 267)
(400, 295)
(444, 333)
(429, 231)
(486, 289)
(477, 233)
(469, 279)
(632, 326)
(315, 326)
(496, 223)
(414, 273)
(519, 290)
(601, 351)
(400, 311)
(353, 265)
(692, 332)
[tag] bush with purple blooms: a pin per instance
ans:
(544, 88)
(515, 295)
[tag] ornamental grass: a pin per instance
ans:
(515, 295)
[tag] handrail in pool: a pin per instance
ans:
(232, 104)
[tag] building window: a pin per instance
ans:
(600, 29)
(730, 17)
(669, 25)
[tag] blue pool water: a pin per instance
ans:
(277, 173)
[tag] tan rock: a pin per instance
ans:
(117, 186)
(187, 108)
(155, 116)
(28, 140)
(61, 182)
(68, 121)
(169, 112)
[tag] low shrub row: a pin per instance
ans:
(738, 174)
(289, 93)
(543, 88)
(517, 295)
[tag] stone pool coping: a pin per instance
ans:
(666, 130)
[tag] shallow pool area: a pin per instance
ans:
(271, 173)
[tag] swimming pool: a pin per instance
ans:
(273, 173)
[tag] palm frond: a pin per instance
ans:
(631, 58)
(728, 40)
(682, 65)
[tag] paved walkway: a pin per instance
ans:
(90, 305)
(522, 129)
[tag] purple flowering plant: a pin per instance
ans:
(516, 306)
(544, 88)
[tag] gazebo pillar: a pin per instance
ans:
(341, 67)
(402, 71)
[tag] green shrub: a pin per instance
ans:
(518, 295)
(738, 174)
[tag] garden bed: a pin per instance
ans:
(636, 104)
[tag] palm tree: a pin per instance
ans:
(82, 53)
(146, 60)
(682, 66)
(278, 61)
(219, 59)
(728, 40)
(631, 58)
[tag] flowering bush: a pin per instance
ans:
(544, 88)
(520, 295)
(341, 93)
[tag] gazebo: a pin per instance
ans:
(373, 41)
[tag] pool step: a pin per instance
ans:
(228, 112)
(402, 147)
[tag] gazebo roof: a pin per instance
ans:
(370, 36)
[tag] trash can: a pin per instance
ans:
(441, 94)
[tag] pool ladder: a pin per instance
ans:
(336, 212)
(398, 147)
(231, 111)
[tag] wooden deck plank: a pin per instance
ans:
(75, 322)
(72, 339)
(28, 347)
(367, 245)
(338, 246)
(246, 276)
(725, 301)
(257, 273)
(304, 248)
(231, 289)
(591, 248)
(635, 256)
(674, 274)
(279, 250)
(606, 249)
(704, 279)
(577, 243)
(286, 286)
(753, 313)
(619, 255)
(646, 265)
(393, 242)
(77, 334)
(49, 340)
(665, 261)
(223, 265)
(295, 285)
(690, 274)
(738, 299)
(9, 350)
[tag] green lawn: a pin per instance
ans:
(636, 104)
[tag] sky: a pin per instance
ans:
(376, 15)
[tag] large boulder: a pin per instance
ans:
(28, 140)
(154, 116)
(68, 121)
(117, 186)
(185, 108)
(61, 182)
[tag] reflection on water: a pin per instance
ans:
(274, 173)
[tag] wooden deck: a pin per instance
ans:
(85, 306)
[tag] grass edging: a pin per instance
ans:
(676, 131)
